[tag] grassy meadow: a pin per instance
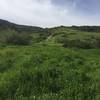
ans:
(61, 63)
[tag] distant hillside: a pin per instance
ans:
(74, 36)
(87, 28)
(13, 33)
(20, 28)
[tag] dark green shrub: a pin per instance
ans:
(18, 39)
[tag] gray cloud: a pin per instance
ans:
(43, 13)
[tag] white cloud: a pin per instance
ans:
(39, 13)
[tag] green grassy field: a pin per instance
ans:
(49, 72)
(61, 63)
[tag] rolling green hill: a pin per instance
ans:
(78, 37)
(71, 37)
(11, 33)
(60, 63)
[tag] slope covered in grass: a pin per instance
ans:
(70, 37)
(11, 33)
(47, 72)
(60, 63)
(78, 37)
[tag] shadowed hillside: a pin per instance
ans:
(11, 33)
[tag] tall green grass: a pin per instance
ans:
(49, 72)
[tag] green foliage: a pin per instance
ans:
(18, 39)
(47, 72)
(61, 63)
(20, 35)
(74, 38)
(87, 28)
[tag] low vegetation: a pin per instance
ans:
(54, 64)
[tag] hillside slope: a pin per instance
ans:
(79, 37)
(60, 63)
(71, 37)
(11, 33)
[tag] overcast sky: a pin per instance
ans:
(49, 13)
